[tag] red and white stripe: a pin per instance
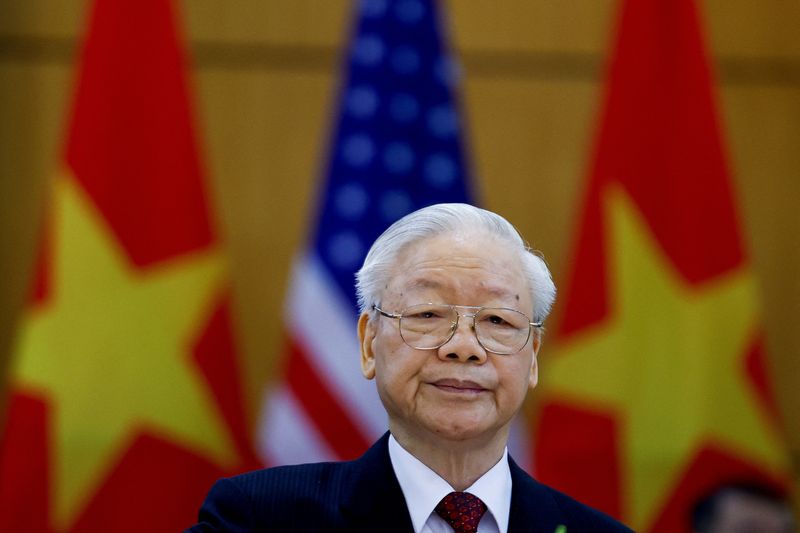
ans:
(324, 409)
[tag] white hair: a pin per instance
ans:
(438, 219)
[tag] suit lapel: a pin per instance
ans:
(375, 501)
(533, 509)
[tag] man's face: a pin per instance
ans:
(457, 391)
(738, 512)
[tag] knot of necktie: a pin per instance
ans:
(462, 511)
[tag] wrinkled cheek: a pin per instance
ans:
(512, 404)
(385, 393)
(415, 400)
(395, 398)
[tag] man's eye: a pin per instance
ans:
(497, 320)
(422, 315)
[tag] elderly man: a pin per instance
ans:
(452, 304)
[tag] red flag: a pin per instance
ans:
(657, 392)
(125, 396)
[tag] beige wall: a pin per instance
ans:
(265, 73)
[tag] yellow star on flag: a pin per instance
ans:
(669, 362)
(111, 350)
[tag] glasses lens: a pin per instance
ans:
(502, 331)
(427, 326)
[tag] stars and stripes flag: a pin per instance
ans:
(658, 391)
(396, 147)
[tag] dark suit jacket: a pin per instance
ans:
(365, 496)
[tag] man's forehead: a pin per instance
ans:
(422, 283)
(460, 261)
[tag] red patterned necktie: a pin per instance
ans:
(462, 511)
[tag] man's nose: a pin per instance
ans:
(463, 345)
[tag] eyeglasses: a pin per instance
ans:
(428, 326)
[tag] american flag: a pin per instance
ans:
(396, 147)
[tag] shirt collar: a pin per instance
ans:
(423, 488)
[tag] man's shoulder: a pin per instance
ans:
(305, 497)
(284, 498)
(289, 482)
(584, 515)
(535, 498)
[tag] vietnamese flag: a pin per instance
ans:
(125, 402)
(658, 390)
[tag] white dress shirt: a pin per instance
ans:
(423, 489)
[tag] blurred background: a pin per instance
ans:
(264, 77)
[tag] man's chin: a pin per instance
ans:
(458, 427)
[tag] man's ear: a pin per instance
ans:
(366, 334)
(534, 377)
